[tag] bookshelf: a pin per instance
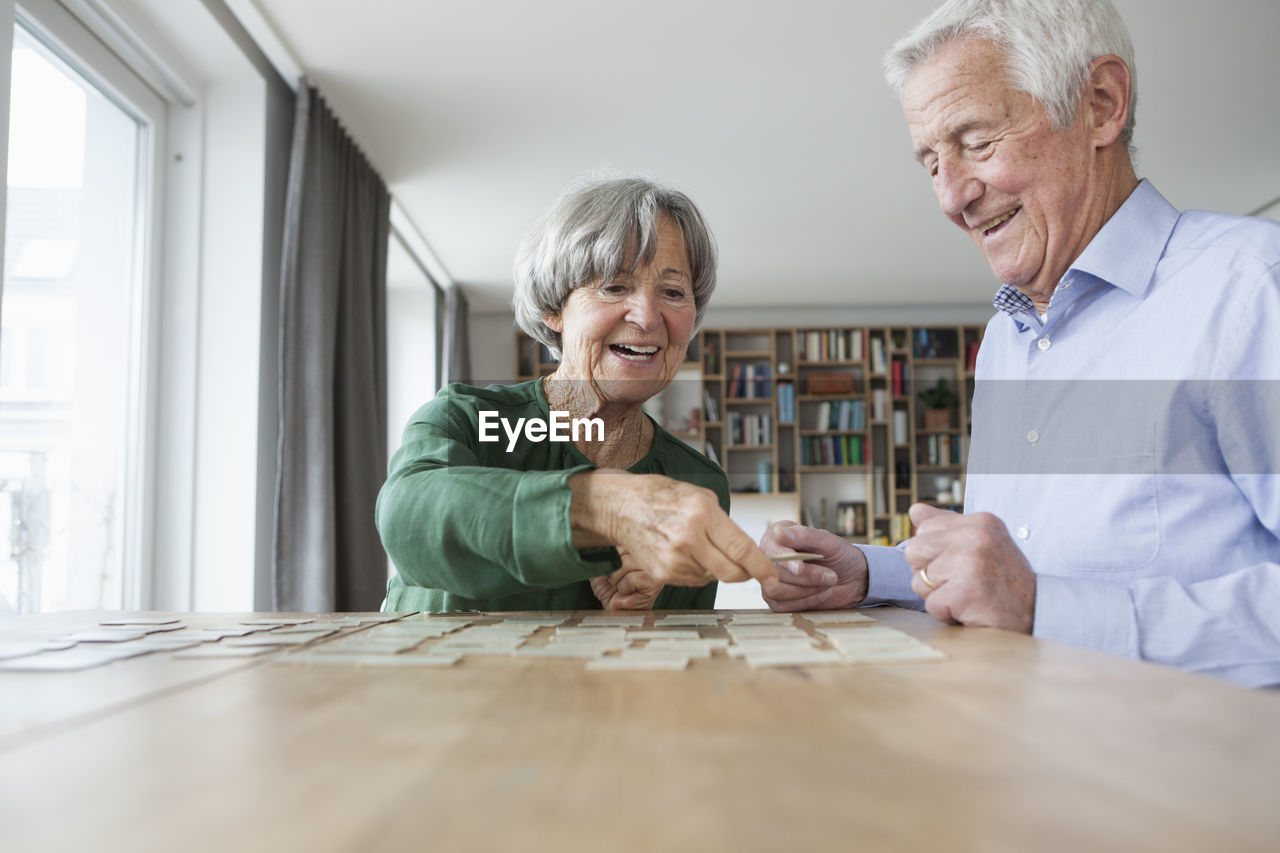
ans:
(831, 417)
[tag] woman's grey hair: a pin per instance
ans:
(1050, 45)
(595, 231)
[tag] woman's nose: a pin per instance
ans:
(642, 309)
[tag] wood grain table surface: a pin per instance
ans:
(1009, 744)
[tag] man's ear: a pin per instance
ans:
(1108, 99)
(554, 322)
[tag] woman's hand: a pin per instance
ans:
(629, 588)
(677, 530)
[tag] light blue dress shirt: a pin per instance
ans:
(1129, 442)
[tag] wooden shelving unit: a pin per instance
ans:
(829, 415)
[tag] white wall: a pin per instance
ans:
(226, 471)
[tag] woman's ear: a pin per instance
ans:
(554, 322)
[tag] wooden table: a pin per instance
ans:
(1011, 744)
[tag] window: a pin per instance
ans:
(413, 306)
(73, 342)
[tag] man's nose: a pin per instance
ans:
(956, 187)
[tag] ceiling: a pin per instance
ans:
(772, 116)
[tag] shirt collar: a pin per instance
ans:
(1012, 301)
(1124, 253)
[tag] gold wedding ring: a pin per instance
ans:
(925, 578)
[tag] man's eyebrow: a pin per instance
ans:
(965, 127)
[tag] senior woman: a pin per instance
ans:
(613, 279)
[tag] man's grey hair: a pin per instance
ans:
(595, 231)
(1050, 46)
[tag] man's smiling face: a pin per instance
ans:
(1019, 188)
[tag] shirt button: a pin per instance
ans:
(1033, 437)
(1024, 532)
(1044, 344)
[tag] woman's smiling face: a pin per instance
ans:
(629, 335)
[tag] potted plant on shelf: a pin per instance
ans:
(939, 401)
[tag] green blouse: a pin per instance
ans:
(471, 526)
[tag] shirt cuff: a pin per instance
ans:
(889, 577)
(542, 537)
(1093, 614)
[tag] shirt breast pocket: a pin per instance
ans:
(1109, 503)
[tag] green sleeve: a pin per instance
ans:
(449, 521)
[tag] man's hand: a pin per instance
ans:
(835, 582)
(979, 576)
(629, 588)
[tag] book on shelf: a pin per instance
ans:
(711, 453)
(879, 490)
(831, 345)
(878, 360)
(811, 346)
(851, 518)
(939, 449)
(901, 381)
(749, 429)
(851, 415)
(786, 403)
(832, 450)
(763, 390)
(749, 382)
(841, 415)
(710, 359)
(935, 343)
(971, 356)
(926, 345)
(901, 427)
(710, 409)
(880, 404)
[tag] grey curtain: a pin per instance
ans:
(332, 451)
(457, 345)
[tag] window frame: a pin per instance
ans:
(50, 24)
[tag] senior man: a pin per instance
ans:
(1122, 482)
